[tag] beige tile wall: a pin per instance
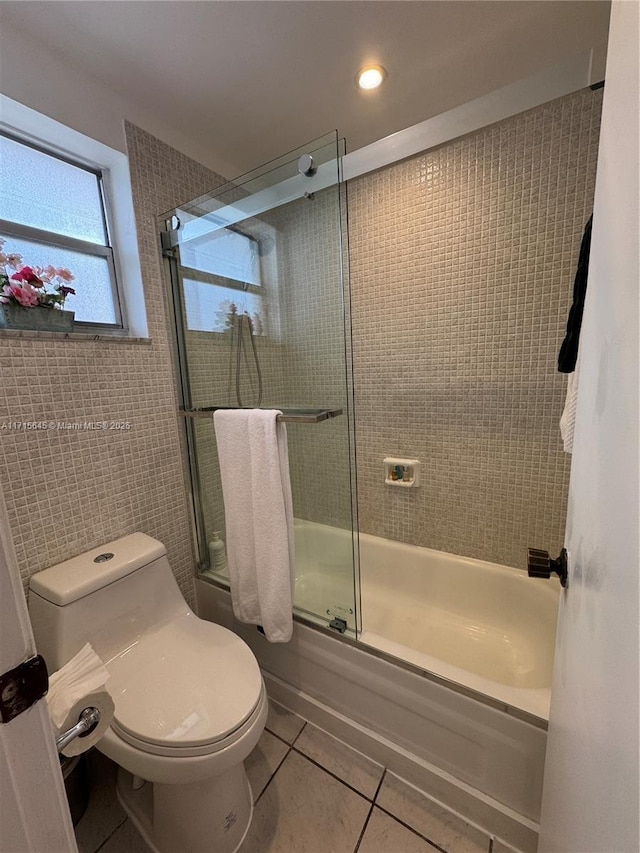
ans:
(462, 265)
(462, 262)
(313, 355)
(68, 491)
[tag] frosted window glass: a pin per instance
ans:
(44, 192)
(208, 306)
(93, 302)
(224, 253)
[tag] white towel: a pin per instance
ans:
(254, 466)
(568, 419)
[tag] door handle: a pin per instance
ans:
(540, 565)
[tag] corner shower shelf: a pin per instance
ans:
(288, 416)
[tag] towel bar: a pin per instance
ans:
(288, 416)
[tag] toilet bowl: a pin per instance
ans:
(190, 702)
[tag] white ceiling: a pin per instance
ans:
(252, 79)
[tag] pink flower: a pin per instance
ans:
(45, 274)
(23, 293)
(32, 286)
(14, 260)
(23, 275)
(64, 274)
(28, 276)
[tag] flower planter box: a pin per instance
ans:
(39, 319)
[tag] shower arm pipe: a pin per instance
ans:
(292, 416)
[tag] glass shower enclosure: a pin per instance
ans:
(258, 276)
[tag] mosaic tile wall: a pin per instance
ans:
(313, 355)
(462, 265)
(67, 491)
(461, 269)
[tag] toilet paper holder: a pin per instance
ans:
(87, 721)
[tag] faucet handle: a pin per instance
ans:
(540, 565)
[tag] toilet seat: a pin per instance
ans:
(166, 750)
(191, 688)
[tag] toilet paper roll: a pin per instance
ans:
(101, 700)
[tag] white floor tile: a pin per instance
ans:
(304, 810)
(439, 825)
(351, 766)
(385, 835)
(283, 723)
(264, 761)
(126, 839)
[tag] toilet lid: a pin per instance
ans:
(190, 684)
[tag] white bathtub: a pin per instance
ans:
(485, 627)
(490, 628)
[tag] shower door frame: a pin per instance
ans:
(168, 232)
(190, 461)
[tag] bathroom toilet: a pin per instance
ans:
(190, 703)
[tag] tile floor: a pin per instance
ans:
(312, 794)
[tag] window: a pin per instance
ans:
(52, 212)
(219, 271)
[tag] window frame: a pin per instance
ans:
(10, 228)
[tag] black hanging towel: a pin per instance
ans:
(569, 349)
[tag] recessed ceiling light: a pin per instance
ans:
(371, 76)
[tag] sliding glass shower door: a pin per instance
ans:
(258, 276)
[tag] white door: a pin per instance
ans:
(34, 816)
(591, 790)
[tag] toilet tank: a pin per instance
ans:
(109, 597)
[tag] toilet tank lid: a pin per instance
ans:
(67, 582)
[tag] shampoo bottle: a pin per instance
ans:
(217, 554)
